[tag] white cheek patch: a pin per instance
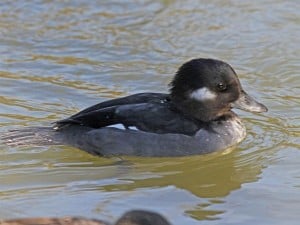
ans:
(203, 94)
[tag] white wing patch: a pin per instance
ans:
(203, 94)
(122, 127)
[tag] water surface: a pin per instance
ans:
(58, 57)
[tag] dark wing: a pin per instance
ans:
(131, 99)
(95, 119)
(103, 114)
(151, 112)
(156, 117)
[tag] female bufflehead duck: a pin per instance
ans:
(195, 118)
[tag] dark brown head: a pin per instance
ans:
(206, 89)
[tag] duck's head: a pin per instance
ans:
(207, 89)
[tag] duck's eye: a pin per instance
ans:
(222, 87)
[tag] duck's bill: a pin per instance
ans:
(247, 103)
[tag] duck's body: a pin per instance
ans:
(195, 118)
(176, 135)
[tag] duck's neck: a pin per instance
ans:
(199, 111)
(230, 126)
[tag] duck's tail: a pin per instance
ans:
(40, 136)
(76, 136)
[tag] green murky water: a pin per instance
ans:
(58, 57)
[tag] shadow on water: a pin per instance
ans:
(200, 183)
(208, 178)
